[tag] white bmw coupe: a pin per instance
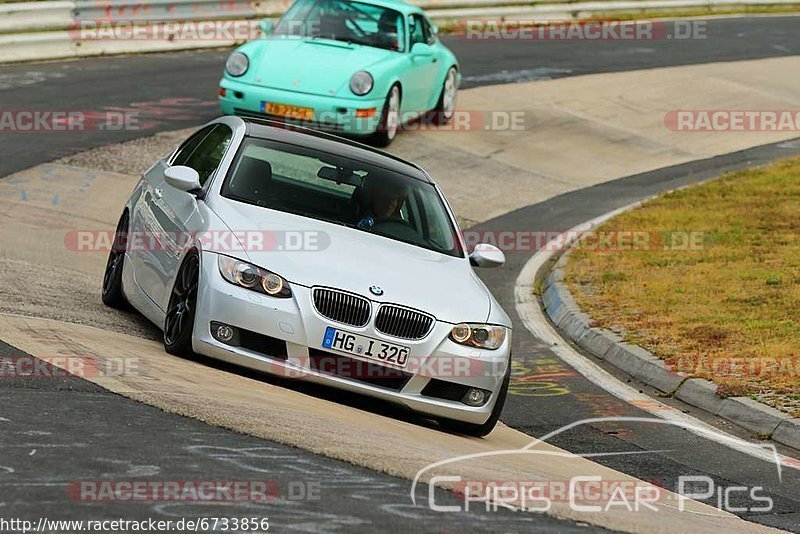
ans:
(304, 255)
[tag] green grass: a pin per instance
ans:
(732, 298)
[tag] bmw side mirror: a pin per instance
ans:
(183, 178)
(267, 26)
(435, 29)
(486, 255)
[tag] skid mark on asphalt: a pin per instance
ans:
(519, 76)
(17, 80)
(602, 405)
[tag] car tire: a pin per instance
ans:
(446, 107)
(179, 321)
(479, 431)
(389, 124)
(113, 295)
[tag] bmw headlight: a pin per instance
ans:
(483, 336)
(361, 83)
(251, 277)
(237, 64)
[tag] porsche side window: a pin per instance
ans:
(207, 156)
(430, 35)
(417, 30)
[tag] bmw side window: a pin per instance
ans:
(207, 156)
(187, 149)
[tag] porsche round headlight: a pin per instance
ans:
(237, 64)
(361, 83)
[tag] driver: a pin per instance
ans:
(382, 201)
(387, 30)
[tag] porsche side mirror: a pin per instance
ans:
(267, 26)
(421, 49)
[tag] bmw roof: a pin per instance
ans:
(325, 142)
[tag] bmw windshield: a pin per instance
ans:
(342, 20)
(341, 190)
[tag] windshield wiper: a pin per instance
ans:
(339, 39)
(321, 218)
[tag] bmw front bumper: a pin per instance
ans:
(284, 337)
(331, 113)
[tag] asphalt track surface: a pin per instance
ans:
(170, 91)
(68, 428)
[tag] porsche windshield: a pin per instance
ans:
(340, 190)
(342, 20)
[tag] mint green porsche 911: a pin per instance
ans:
(357, 67)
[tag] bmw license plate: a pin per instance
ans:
(365, 347)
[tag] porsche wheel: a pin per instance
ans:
(390, 119)
(446, 107)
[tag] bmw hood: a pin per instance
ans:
(314, 66)
(315, 253)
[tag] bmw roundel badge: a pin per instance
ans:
(376, 290)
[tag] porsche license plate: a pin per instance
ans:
(285, 110)
(365, 347)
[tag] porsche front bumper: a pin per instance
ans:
(331, 113)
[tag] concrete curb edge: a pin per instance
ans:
(576, 326)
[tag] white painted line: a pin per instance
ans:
(534, 319)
